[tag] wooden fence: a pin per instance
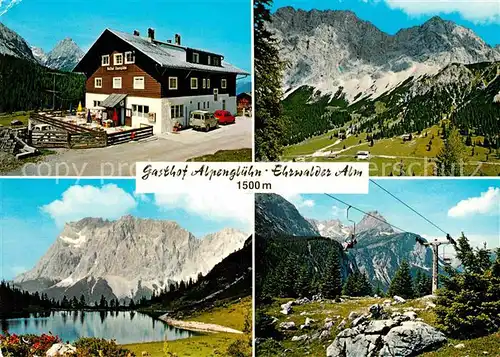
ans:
(129, 135)
(49, 139)
(67, 135)
(60, 124)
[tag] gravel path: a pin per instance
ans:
(197, 326)
(119, 160)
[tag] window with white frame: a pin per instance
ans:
(204, 83)
(97, 103)
(223, 104)
(141, 111)
(216, 95)
(204, 105)
(223, 83)
(117, 82)
(208, 105)
(172, 82)
(98, 83)
(209, 59)
(118, 59)
(196, 57)
(208, 83)
(105, 60)
(194, 83)
(199, 106)
(129, 57)
(177, 111)
(138, 82)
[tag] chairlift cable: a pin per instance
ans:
(408, 206)
(366, 213)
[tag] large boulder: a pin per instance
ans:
(386, 338)
(288, 325)
(411, 338)
(60, 349)
(287, 308)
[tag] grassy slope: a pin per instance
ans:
(216, 344)
(232, 315)
(319, 311)
(240, 155)
(395, 147)
(205, 345)
(7, 118)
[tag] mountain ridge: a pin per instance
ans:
(126, 259)
(64, 56)
(335, 49)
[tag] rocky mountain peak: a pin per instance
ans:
(336, 50)
(278, 217)
(14, 45)
(131, 257)
(374, 221)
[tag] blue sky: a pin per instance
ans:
(220, 26)
(33, 213)
(471, 206)
(391, 15)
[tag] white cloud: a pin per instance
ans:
(338, 211)
(77, 202)
(478, 11)
(212, 205)
(298, 200)
(17, 270)
(487, 203)
(6, 5)
(142, 197)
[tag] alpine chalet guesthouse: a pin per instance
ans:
(151, 82)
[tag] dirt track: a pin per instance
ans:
(119, 160)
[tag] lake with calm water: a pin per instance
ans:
(122, 326)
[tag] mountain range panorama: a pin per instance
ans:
(379, 250)
(126, 259)
(64, 56)
(333, 49)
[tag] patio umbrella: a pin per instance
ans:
(115, 116)
(79, 107)
(89, 117)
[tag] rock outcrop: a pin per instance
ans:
(401, 335)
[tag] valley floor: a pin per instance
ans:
(388, 154)
(236, 315)
(318, 311)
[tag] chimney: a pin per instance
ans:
(177, 39)
(136, 33)
(151, 34)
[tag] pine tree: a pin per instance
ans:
(469, 300)
(82, 301)
(452, 156)
(401, 284)
(331, 286)
(302, 281)
(422, 284)
(357, 284)
(269, 129)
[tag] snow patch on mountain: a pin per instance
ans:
(132, 257)
(332, 50)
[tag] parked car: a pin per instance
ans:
(363, 155)
(202, 120)
(42, 127)
(224, 117)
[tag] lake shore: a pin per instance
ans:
(197, 326)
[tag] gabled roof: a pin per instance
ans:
(170, 55)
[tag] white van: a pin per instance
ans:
(363, 155)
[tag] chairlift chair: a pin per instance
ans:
(351, 241)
